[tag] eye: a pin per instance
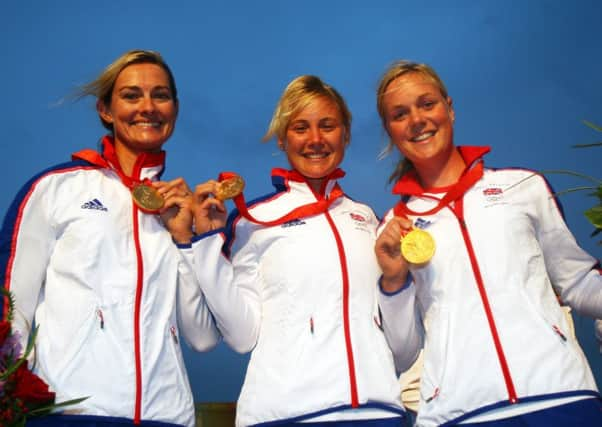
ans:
(399, 114)
(328, 125)
(299, 127)
(428, 104)
(130, 95)
(163, 94)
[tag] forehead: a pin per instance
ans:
(144, 74)
(410, 86)
(317, 109)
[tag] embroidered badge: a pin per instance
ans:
(293, 222)
(94, 204)
(357, 217)
(421, 223)
(493, 194)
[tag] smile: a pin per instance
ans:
(422, 136)
(316, 156)
(147, 124)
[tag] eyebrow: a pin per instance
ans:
(136, 87)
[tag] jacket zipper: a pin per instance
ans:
(458, 211)
(139, 285)
(350, 361)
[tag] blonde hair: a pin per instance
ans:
(395, 70)
(299, 93)
(102, 86)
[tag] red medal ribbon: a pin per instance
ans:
(306, 210)
(109, 161)
(468, 178)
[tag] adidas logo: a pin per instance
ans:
(94, 204)
(293, 222)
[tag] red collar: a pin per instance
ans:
(410, 185)
(295, 176)
(109, 159)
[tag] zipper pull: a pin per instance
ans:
(101, 318)
(311, 325)
(435, 394)
(559, 332)
(173, 334)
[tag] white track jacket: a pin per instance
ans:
(495, 334)
(302, 296)
(109, 291)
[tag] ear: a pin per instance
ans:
(177, 105)
(346, 137)
(281, 144)
(452, 113)
(103, 111)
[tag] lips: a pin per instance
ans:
(315, 156)
(147, 124)
(423, 136)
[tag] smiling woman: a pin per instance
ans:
(497, 347)
(292, 278)
(91, 233)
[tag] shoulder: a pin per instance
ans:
(53, 175)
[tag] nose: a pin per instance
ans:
(315, 134)
(148, 105)
(416, 119)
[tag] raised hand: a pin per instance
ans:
(388, 254)
(177, 214)
(209, 212)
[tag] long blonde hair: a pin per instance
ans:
(102, 86)
(395, 70)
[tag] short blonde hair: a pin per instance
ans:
(395, 70)
(102, 86)
(299, 93)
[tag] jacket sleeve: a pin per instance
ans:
(401, 320)
(572, 271)
(194, 317)
(231, 286)
(26, 242)
(401, 324)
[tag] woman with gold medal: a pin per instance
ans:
(291, 278)
(482, 275)
(87, 254)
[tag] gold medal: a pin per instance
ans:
(418, 246)
(147, 198)
(229, 188)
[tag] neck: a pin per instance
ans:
(443, 173)
(127, 158)
(315, 184)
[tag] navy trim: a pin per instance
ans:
(506, 403)
(406, 284)
(234, 216)
(586, 412)
(201, 236)
(368, 405)
(90, 421)
(10, 219)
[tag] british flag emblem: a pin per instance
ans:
(357, 217)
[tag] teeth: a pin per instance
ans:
(148, 124)
(316, 155)
(423, 136)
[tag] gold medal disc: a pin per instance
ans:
(418, 246)
(229, 188)
(147, 198)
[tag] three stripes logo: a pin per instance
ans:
(94, 204)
